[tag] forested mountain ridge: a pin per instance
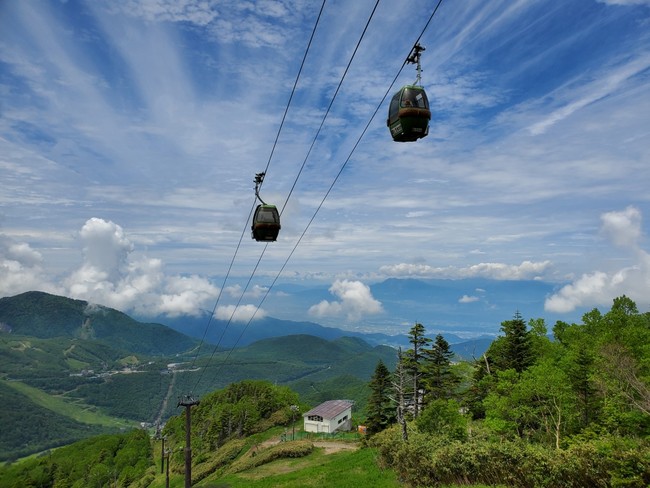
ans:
(45, 316)
(86, 369)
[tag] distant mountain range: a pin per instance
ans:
(463, 308)
(45, 316)
(73, 369)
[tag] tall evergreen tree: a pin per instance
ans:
(439, 379)
(380, 408)
(517, 350)
(401, 389)
(414, 362)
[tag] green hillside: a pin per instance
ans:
(562, 413)
(46, 316)
(87, 368)
(28, 427)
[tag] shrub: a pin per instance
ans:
(429, 461)
(443, 418)
(224, 455)
(292, 449)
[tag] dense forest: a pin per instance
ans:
(70, 370)
(105, 460)
(571, 411)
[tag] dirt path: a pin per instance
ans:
(334, 446)
(330, 447)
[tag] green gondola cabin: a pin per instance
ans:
(409, 114)
(266, 223)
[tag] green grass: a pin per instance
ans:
(80, 413)
(344, 469)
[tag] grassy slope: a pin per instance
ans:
(343, 469)
(79, 412)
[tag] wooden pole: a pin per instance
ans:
(188, 402)
(162, 455)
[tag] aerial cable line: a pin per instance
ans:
(329, 107)
(294, 184)
(330, 188)
(268, 290)
(293, 90)
(332, 185)
(223, 332)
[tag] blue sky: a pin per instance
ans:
(131, 131)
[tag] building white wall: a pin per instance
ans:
(342, 421)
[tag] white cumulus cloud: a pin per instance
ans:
(241, 313)
(20, 268)
(600, 288)
(111, 276)
(355, 301)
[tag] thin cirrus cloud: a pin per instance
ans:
(151, 118)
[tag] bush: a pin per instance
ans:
(443, 418)
(224, 455)
(292, 449)
(429, 461)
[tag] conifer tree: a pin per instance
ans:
(400, 387)
(439, 379)
(380, 408)
(580, 374)
(517, 350)
(414, 361)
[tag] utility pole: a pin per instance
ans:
(188, 402)
(294, 409)
(167, 453)
(162, 455)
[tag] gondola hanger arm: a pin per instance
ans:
(259, 179)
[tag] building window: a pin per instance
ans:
(315, 418)
(343, 419)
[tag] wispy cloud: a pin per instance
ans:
(153, 117)
(498, 271)
(468, 299)
(576, 95)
